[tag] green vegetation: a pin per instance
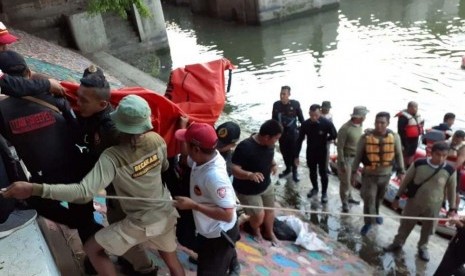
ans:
(118, 6)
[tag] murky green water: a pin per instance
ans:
(377, 53)
(381, 54)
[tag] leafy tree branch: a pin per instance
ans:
(118, 6)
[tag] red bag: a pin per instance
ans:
(199, 89)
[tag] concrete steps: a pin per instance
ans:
(43, 19)
(126, 73)
(120, 32)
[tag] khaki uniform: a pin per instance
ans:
(375, 179)
(135, 171)
(347, 139)
(428, 199)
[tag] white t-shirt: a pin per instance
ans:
(210, 185)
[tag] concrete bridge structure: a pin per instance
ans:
(258, 11)
(66, 22)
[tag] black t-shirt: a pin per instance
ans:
(318, 134)
(227, 156)
(42, 137)
(253, 157)
(97, 133)
(288, 114)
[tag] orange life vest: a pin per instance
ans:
(414, 127)
(379, 151)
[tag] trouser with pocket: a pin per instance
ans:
(344, 173)
(372, 192)
(137, 255)
(417, 207)
(216, 254)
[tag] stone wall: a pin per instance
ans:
(259, 11)
(269, 10)
(66, 23)
(43, 18)
(88, 32)
(152, 30)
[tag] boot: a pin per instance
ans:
(295, 176)
(423, 254)
(393, 247)
(284, 173)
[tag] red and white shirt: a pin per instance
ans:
(210, 185)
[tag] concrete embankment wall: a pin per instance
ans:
(66, 23)
(270, 10)
(45, 19)
(259, 11)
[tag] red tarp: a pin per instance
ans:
(196, 91)
(199, 89)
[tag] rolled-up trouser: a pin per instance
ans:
(137, 255)
(372, 192)
(345, 173)
(417, 208)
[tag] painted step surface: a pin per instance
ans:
(26, 253)
(288, 259)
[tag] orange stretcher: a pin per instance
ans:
(196, 91)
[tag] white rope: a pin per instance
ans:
(136, 198)
(288, 209)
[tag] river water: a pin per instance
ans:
(377, 53)
(381, 54)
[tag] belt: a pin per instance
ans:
(226, 235)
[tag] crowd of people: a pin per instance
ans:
(191, 199)
(427, 182)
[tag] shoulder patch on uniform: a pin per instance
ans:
(197, 190)
(221, 192)
(31, 122)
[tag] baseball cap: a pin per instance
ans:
(12, 63)
(227, 133)
(132, 115)
(5, 36)
(200, 134)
